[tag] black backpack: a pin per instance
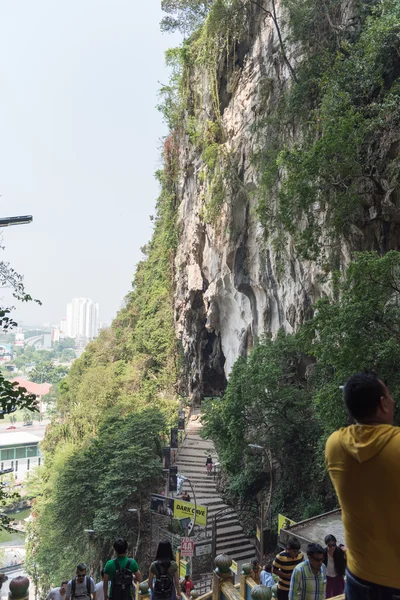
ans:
(123, 581)
(164, 584)
(73, 587)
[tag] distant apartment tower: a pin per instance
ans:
(19, 337)
(55, 335)
(82, 319)
(63, 328)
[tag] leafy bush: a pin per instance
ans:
(286, 396)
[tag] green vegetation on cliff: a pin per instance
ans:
(102, 452)
(286, 395)
(327, 137)
(344, 111)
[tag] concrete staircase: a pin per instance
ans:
(191, 463)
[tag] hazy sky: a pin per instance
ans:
(79, 144)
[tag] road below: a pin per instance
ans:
(36, 428)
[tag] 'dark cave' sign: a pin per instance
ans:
(177, 509)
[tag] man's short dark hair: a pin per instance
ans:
(314, 549)
(120, 546)
(81, 567)
(362, 395)
(293, 543)
(64, 582)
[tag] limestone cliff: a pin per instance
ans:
(232, 285)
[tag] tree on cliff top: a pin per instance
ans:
(184, 15)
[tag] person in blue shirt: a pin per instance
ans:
(266, 576)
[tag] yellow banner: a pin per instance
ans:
(284, 522)
(183, 510)
(258, 533)
(234, 567)
(172, 507)
(183, 568)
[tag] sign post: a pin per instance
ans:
(203, 548)
(187, 547)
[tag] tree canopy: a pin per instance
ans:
(184, 15)
(287, 396)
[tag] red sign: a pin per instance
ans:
(187, 546)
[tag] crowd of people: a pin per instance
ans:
(120, 574)
(319, 576)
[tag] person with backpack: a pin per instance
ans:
(82, 586)
(121, 572)
(187, 586)
(164, 575)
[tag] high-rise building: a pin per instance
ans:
(63, 328)
(19, 337)
(82, 319)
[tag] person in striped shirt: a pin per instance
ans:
(284, 564)
(309, 577)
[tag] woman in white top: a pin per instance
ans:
(335, 562)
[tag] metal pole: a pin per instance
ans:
(262, 533)
(139, 532)
(265, 511)
(269, 456)
(151, 533)
(194, 521)
(195, 504)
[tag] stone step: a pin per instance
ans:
(214, 509)
(199, 480)
(225, 526)
(196, 448)
(205, 494)
(246, 556)
(235, 547)
(206, 500)
(188, 462)
(192, 438)
(232, 537)
(232, 529)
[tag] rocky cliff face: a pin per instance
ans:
(231, 287)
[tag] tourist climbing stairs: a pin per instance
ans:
(191, 462)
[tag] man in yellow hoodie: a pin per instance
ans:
(363, 461)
